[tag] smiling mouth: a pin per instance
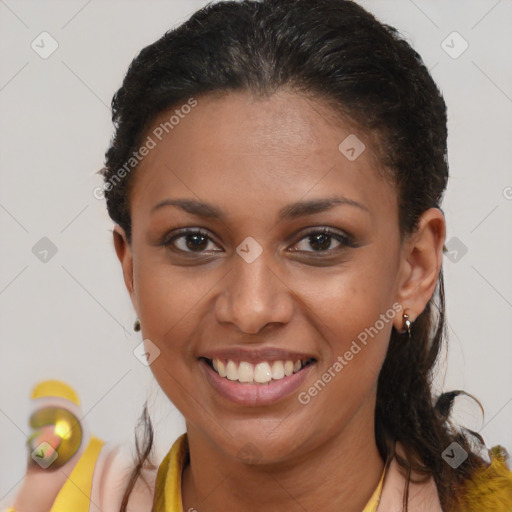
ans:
(260, 373)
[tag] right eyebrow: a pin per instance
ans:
(192, 206)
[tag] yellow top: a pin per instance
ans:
(168, 481)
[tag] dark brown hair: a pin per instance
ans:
(338, 53)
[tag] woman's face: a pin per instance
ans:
(261, 284)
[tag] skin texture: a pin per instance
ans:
(250, 157)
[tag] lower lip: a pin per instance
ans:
(255, 394)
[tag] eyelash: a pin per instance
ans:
(344, 240)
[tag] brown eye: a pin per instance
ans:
(323, 240)
(191, 241)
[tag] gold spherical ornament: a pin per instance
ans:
(57, 435)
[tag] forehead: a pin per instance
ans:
(257, 152)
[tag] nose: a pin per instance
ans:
(254, 295)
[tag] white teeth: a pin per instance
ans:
(221, 368)
(231, 371)
(260, 373)
(245, 372)
(278, 370)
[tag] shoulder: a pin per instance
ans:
(422, 495)
(112, 476)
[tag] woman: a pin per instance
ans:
(275, 179)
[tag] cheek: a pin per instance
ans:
(167, 302)
(351, 311)
(355, 322)
(346, 300)
(168, 296)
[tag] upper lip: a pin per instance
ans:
(257, 355)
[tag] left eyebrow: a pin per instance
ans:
(303, 208)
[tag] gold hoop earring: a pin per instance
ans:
(136, 325)
(407, 327)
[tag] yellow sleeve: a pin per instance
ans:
(491, 488)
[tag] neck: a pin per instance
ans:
(339, 474)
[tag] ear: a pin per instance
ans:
(421, 260)
(124, 253)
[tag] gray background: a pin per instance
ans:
(70, 317)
